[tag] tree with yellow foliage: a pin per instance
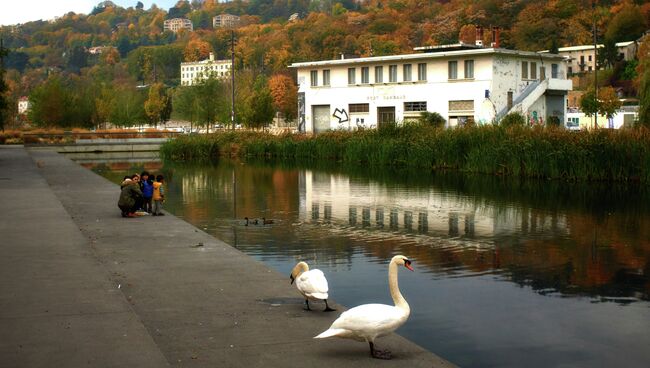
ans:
(196, 50)
(156, 104)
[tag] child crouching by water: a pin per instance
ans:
(158, 196)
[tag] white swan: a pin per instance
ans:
(369, 321)
(311, 284)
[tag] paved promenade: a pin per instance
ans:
(82, 286)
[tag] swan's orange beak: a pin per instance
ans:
(407, 264)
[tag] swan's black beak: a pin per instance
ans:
(407, 264)
(292, 279)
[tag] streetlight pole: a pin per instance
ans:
(593, 6)
(232, 77)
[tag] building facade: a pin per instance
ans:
(177, 24)
(193, 72)
(461, 82)
(225, 21)
(583, 59)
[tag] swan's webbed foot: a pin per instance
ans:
(380, 354)
(307, 305)
(327, 308)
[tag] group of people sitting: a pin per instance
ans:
(141, 195)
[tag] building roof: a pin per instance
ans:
(433, 53)
(589, 47)
(450, 47)
(207, 61)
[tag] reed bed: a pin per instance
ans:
(545, 153)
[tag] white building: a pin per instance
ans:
(625, 117)
(582, 59)
(23, 105)
(225, 21)
(177, 24)
(461, 82)
(192, 72)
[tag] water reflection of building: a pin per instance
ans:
(339, 200)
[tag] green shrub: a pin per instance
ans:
(432, 119)
(513, 119)
(553, 121)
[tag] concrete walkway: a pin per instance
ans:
(81, 286)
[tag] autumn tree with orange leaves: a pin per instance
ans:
(285, 95)
(196, 50)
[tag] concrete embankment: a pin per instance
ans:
(81, 286)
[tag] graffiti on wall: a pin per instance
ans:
(342, 115)
(301, 111)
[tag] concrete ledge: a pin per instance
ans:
(109, 147)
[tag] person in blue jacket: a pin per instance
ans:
(146, 186)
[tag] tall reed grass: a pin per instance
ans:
(548, 153)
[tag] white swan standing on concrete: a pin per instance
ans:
(369, 321)
(311, 284)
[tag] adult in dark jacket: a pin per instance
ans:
(130, 197)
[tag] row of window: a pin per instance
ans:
(468, 70)
(392, 74)
(533, 70)
(528, 72)
(393, 71)
(417, 106)
(199, 68)
(191, 75)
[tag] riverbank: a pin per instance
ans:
(546, 153)
(83, 286)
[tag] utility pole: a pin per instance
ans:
(232, 77)
(593, 7)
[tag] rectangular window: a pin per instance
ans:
(365, 75)
(406, 73)
(358, 108)
(379, 74)
(524, 70)
(415, 106)
(533, 70)
(554, 71)
(453, 69)
(352, 75)
(314, 78)
(589, 57)
(469, 69)
(326, 77)
(392, 73)
(422, 72)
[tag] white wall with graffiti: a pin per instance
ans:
(462, 86)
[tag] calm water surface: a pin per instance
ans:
(507, 273)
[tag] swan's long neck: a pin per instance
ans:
(398, 299)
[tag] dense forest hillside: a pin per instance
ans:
(140, 53)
